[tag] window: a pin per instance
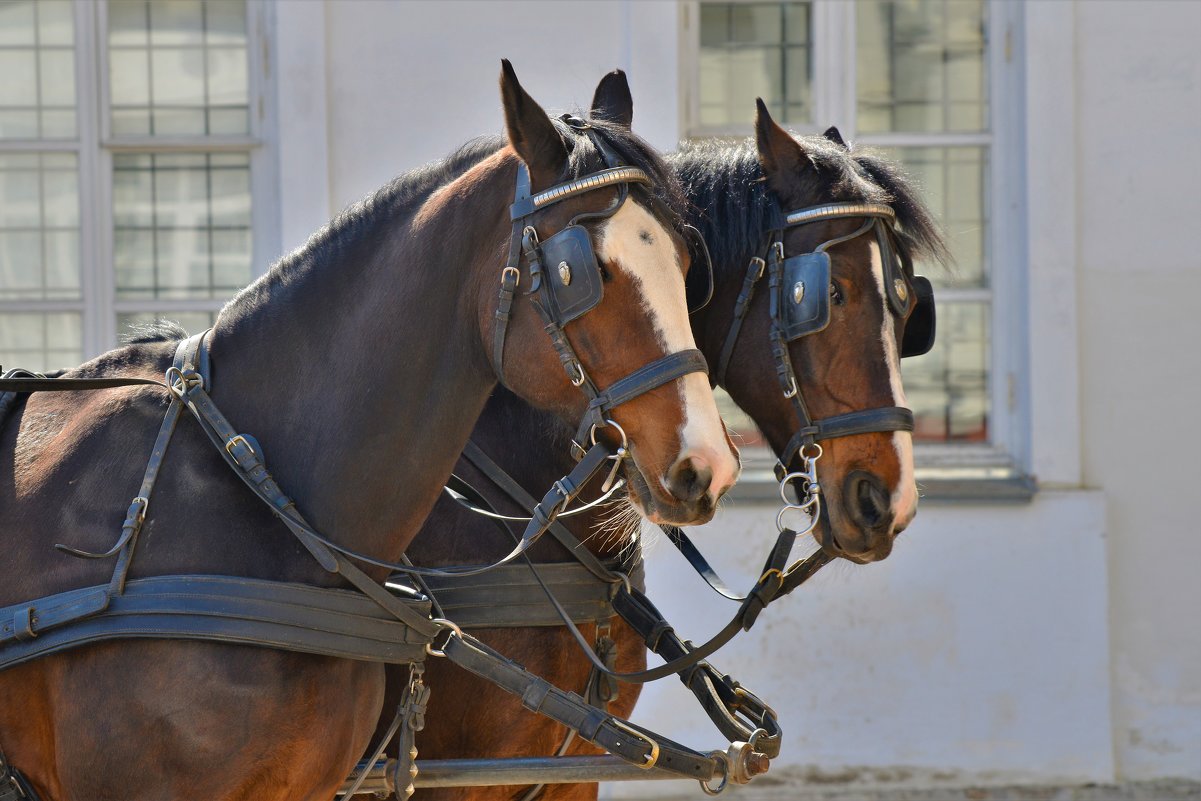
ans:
(916, 81)
(131, 192)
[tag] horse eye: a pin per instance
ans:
(836, 295)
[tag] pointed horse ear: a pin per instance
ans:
(612, 100)
(530, 131)
(834, 136)
(781, 156)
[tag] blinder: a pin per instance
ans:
(573, 277)
(803, 305)
(918, 338)
(698, 285)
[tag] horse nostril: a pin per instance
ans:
(689, 479)
(867, 500)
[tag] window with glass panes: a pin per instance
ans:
(126, 193)
(909, 78)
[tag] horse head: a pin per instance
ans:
(603, 271)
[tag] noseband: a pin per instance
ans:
(800, 305)
(565, 283)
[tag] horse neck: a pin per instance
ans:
(362, 373)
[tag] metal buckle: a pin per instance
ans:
(450, 628)
(234, 440)
(762, 266)
(580, 377)
(516, 276)
(653, 756)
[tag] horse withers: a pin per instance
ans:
(359, 363)
(738, 195)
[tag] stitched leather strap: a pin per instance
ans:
(618, 737)
(229, 609)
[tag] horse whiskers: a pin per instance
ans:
(621, 524)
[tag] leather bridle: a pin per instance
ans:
(565, 283)
(799, 306)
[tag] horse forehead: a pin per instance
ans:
(637, 241)
(638, 244)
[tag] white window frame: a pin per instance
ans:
(1006, 458)
(95, 146)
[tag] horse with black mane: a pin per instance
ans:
(360, 363)
(738, 195)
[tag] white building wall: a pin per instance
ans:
(982, 648)
(1138, 150)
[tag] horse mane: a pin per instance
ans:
(734, 209)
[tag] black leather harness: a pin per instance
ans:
(369, 622)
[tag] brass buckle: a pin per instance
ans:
(234, 440)
(516, 276)
(653, 756)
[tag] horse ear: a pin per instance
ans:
(612, 100)
(531, 133)
(781, 156)
(834, 136)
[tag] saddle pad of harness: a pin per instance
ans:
(511, 597)
(292, 617)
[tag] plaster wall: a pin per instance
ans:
(409, 82)
(1138, 78)
(976, 652)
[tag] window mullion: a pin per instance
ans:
(95, 258)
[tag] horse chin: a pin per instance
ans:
(661, 510)
(846, 548)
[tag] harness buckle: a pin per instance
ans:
(651, 758)
(762, 266)
(235, 441)
(506, 272)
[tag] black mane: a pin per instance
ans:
(734, 209)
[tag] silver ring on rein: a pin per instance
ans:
(618, 457)
(810, 494)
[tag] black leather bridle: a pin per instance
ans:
(565, 283)
(799, 306)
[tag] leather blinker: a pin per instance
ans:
(804, 302)
(572, 274)
(920, 327)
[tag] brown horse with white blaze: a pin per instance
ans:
(738, 195)
(360, 363)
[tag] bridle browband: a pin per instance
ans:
(572, 286)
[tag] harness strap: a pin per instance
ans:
(14, 786)
(505, 483)
(646, 378)
(753, 273)
(230, 609)
(619, 737)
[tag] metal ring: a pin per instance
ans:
(625, 441)
(723, 760)
(624, 580)
(452, 631)
(815, 456)
(811, 507)
(753, 740)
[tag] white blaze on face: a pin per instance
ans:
(641, 247)
(904, 496)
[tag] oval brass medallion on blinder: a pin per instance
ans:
(565, 273)
(902, 290)
(798, 292)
